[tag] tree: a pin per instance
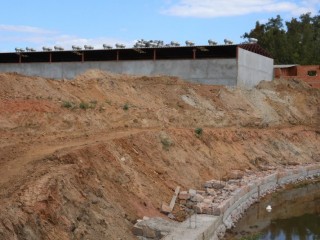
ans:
(298, 41)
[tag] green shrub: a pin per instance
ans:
(125, 107)
(84, 105)
(67, 104)
(198, 131)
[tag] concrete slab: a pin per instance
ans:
(195, 229)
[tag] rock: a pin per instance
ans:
(184, 195)
(234, 181)
(137, 230)
(154, 228)
(183, 202)
(217, 184)
(207, 184)
(198, 208)
(94, 201)
(190, 204)
(165, 208)
(207, 209)
(192, 192)
(148, 232)
(201, 192)
(231, 188)
(208, 200)
(221, 231)
(203, 208)
(211, 192)
(197, 198)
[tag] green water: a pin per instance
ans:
(295, 215)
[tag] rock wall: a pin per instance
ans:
(225, 210)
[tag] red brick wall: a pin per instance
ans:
(290, 71)
(303, 70)
(301, 73)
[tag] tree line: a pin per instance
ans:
(296, 41)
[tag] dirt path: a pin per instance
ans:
(15, 167)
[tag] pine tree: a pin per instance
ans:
(298, 41)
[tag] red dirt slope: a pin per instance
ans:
(83, 159)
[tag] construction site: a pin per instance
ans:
(89, 148)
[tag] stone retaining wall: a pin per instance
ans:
(233, 208)
(230, 210)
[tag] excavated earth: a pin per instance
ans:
(86, 158)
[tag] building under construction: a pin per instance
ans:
(310, 73)
(241, 65)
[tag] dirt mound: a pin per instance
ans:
(83, 159)
(285, 84)
(95, 74)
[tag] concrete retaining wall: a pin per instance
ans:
(205, 71)
(214, 227)
(253, 68)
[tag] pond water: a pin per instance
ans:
(295, 215)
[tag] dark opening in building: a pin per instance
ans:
(312, 73)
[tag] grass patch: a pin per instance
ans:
(84, 105)
(92, 104)
(198, 132)
(67, 104)
(125, 107)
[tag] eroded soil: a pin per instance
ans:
(84, 159)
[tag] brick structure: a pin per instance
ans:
(310, 74)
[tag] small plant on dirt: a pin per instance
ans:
(198, 132)
(93, 104)
(84, 105)
(125, 107)
(67, 104)
(166, 143)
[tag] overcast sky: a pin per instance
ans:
(37, 23)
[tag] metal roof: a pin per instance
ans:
(285, 65)
(161, 53)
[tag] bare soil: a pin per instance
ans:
(85, 158)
